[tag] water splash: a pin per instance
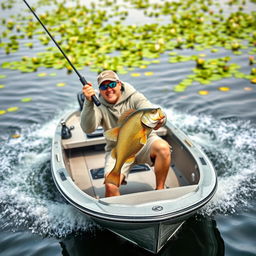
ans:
(231, 146)
(28, 196)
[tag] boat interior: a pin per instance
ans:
(84, 160)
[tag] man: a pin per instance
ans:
(116, 97)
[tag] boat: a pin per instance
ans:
(141, 214)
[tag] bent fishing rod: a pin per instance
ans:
(82, 79)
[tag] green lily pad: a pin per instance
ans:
(149, 73)
(43, 74)
(26, 100)
(12, 109)
(203, 92)
(60, 84)
(135, 74)
(179, 88)
(2, 76)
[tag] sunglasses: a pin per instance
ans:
(104, 87)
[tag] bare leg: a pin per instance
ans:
(111, 189)
(160, 151)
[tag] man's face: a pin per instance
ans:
(111, 95)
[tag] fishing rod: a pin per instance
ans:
(82, 79)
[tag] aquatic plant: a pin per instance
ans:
(96, 36)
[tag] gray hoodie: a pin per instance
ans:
(107, 115)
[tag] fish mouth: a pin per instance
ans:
(152, 122)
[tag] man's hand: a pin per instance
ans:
(88, 91)
(160, 123)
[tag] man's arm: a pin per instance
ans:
(91, 115)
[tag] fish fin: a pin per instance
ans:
(113, 178)
(143, 137)
(131, 159)
(113, 153)
(112, 134)
(143, 140)
(125, 114)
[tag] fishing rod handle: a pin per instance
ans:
(94, 98)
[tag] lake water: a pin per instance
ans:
(36, 220)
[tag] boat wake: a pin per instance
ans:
(28, 197)
(30, 200)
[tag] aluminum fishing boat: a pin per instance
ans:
(141, 214)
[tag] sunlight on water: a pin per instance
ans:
(29, 197)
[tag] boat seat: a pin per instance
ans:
(150, 196)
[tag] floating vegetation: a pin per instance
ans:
(149, 73)
(26, 100)
(95, 35)
(209, 70)
(42, 74)
(224, 89)
(60, 84)
(203, 92)
(135, 74)
(12, 109)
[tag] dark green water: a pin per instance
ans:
(36, 220)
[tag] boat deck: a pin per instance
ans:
(84, 156)
(82, 162)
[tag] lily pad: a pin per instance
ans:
(12, 109)
(203, 92)
(42, 74)
(60, 84)
(149, 73)
(2, 76)
(224, 89)
(135, 74)
(179, 88)
(2, 112)
(26, 100)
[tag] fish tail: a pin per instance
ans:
(113, 177)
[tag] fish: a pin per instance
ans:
(130, 136)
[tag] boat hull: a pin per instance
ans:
(150, 218)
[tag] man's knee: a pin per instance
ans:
(161, 148)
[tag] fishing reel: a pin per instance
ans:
(66, 131)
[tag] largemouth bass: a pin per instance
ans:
(131, 136)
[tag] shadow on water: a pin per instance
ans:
(198, 236)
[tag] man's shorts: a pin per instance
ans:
(142, 157)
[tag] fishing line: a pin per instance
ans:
(82, 79)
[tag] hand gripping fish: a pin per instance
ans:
(131, 136)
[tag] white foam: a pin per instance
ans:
(231, 146)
